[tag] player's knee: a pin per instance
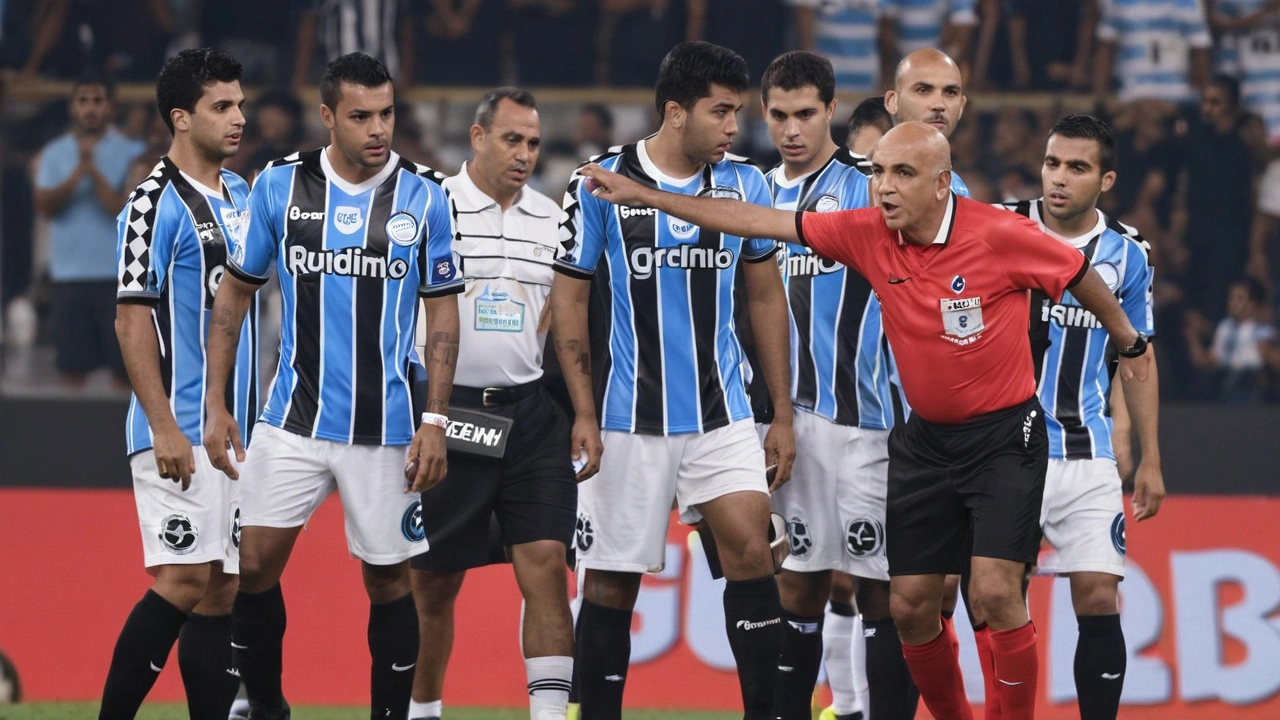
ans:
(617, 590)
(435, 593)
(1000, 603)
(386, 583)
(1096, 599)
(804, 594)
(182, 585)
(540, 570)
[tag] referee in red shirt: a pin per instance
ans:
(953, 277)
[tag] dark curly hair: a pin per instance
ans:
(186, 75)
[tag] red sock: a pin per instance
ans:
(1018, 671)
(935, 666)
(982, 637)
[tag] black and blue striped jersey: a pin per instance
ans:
(171, 253)
(673, 361)
(352, 262)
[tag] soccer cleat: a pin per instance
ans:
(830, 714)
(258, 712)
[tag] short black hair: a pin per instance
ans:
(185, 76)
(602, 113)
(870, 113)
(691, 68)
(95, 78)
(799, 69)
(1230, 86)
(1088, 127)
(488, 106)
(355, 68)
(1256, 291)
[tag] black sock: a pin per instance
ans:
(601, 657)
(204, 656)
(393, 646)
(141, 651)
(753, 615)
(257, 636)
(839, 608)
(1100, 666)
(799, 659)
(893, 694)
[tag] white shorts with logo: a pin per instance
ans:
(1083, 518)
(834, 503)
(286, 477)
(193, 527)
(623, 511)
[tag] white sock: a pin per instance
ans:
(858, 659)
(425, 709)
(549, 681)
(837, 634)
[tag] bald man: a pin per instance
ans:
(952, 276)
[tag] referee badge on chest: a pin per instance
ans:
(496, 311)
(962, 317)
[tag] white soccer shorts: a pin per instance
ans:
(193, 527)
(286, 477)
(1083, 518)
(834, 503)
(623, 511)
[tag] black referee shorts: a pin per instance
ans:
(985, 475)
(485, 504)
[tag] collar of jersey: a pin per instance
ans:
(1037, 214)
(205, 189)
(471, 198)
(652, 170)
(393, 162)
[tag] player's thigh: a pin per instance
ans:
(1004, 487)
(718, 463)
(190, 527)
(623, 511)
(861, 495)
(383, 522)
(810, 502)
(456, 515)
(1084, 518)
(284, 479)
(925, 520)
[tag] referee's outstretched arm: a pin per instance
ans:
(721, 215)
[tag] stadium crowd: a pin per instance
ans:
(1194, 100)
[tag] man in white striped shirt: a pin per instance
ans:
(844, 32)
(1158, 49)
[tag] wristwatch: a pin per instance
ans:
(1138, 347)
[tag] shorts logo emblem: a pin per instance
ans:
(798, 537)
(411, 523)
(865, 538)
(179, 534)
(1027, 422)
(584, 536)
(235, 528)
(1117, 533)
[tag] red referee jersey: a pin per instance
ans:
(955, 311)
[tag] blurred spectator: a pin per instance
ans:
(1243, 342)
(127, 38)
(594, 132)
(1265, 223)
(1217, 192)
(868, 123)
(1013, 145)
(909, 25)
(278, 123)
(843, 31)
(1250, 50)
(634, 36)
(80, 188)
(1158, 49)
(250, 30)
(461, 44)
(755, 29)
(338, 27)
(554, 41)
(1144, 144)
(1042, 55)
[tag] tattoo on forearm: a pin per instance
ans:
(443, 349)
(225, 321)
(436, 405)
(577, 354)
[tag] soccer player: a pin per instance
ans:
(507, 237)
(675, 414)
(1083, 512)
(952, 276)
(927, 88)
(172, 254)
(840, 392)
(868, 123)
(357, 234)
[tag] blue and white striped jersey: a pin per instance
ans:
(352, 261)
(1073, 356)
(673, 363)
(919, 23)
(1253, 55)
(171, 253)
(839, 354)
(1154, 40)
(845, 33)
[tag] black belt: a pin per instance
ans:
(492, 396)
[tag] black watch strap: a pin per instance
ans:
(1137, 349)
